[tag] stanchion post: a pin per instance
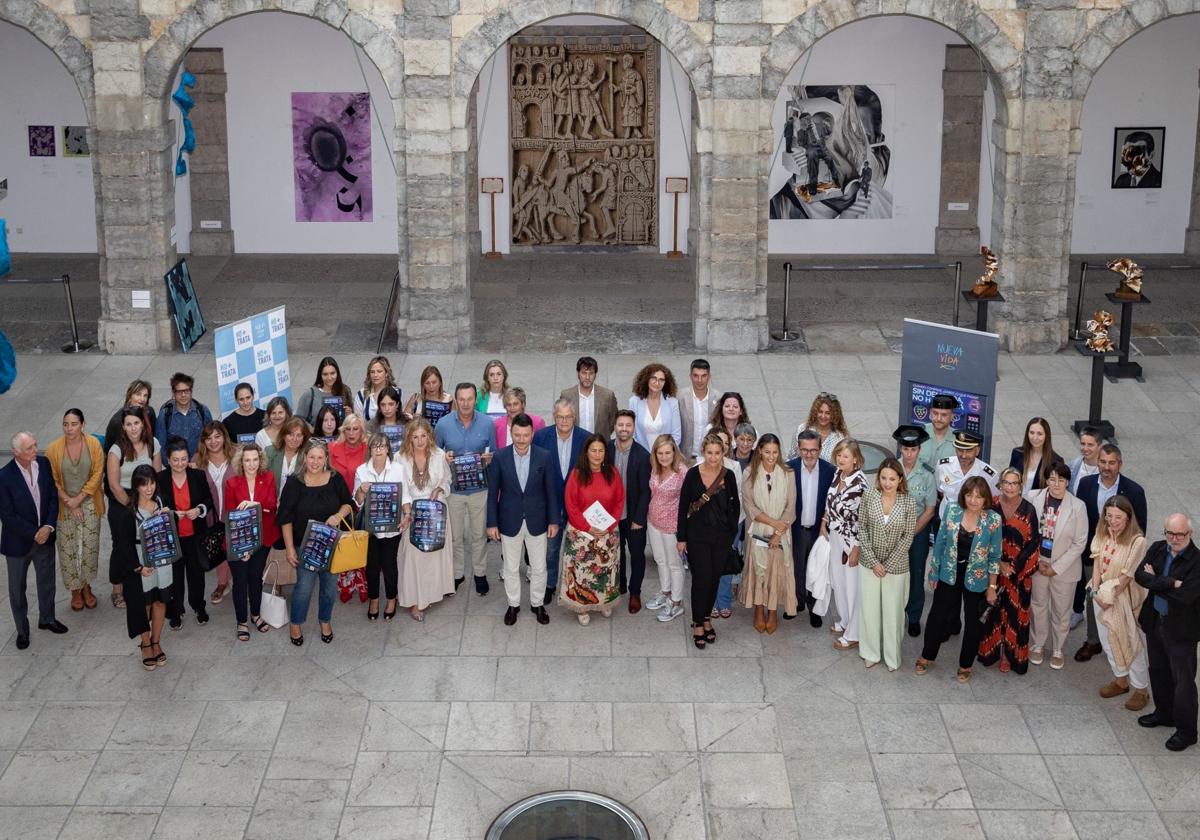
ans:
(785, 334)
(1077, 330)
(76, 346)
(957, 291)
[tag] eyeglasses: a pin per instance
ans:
(183, 390)
(1010, 483)
(804, 450)
(1177, 534)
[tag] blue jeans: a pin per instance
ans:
(725, 587)
(302, 595)
(553, 550)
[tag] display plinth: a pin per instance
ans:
(981, 307)
(1122, 368)
(1096, 399)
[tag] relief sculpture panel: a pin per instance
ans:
(584, 137)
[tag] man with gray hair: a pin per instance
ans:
(564, 441)
(28, 513)
(1170, 618)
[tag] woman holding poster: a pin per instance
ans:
(595, 497)
(426, 576)
(382, 545)
(251, 485)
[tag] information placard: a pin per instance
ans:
(428, 529)
(394, 434)
(434, 410)
(468, 472)
(337, 404)
(243, 530)
(159, 539)
(382, 508)
(317, 547)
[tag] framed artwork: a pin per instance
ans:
(41, 141)
(331, 156)
(75, 142)
(1137, 158)
(185, 308)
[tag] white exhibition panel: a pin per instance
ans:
(1150, 81)
(268, 56)
(492, 133)
(51, 203)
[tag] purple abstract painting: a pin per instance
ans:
(41, 141)
(331, 153)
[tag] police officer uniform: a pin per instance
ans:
(950, 476)
(932, 450)
(921, 489)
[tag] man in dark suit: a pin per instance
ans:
(1094, 491)
(595, 406)
(813, 477)
(1137, 152)
(564, 441)
(523, 510)
(28, 511)
(1170, 617)
(633, 463)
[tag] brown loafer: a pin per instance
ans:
(76, 599)
(1113, 689)
(1138, 701)
(635, 604)
(1087, 651)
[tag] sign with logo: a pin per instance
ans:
(254, 351)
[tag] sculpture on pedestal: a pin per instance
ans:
(985, 286)
(1098, 327)
(1130, 287)
(583, 139)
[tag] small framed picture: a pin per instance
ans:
(491, 185)
(677, 185)
(1137, 158)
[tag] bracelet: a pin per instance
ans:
(991, 586)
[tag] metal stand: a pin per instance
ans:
(1077, 333)
(675, 253)
(76, 346)
(1122, 368)
(981, 308)
(1096, 399)
(387, 312)
(784, 333)
(493, 254)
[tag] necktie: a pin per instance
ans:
(1160, 603)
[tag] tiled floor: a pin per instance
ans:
(408, 730)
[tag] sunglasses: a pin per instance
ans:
(825, 395)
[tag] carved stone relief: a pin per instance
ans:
(584, 137)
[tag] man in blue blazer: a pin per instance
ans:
(564, 441)
(1094, 491)
(523, 510)
(813, 477)
(28, 513)
(633, 463)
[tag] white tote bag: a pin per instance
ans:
(274, 608)
(817, 579)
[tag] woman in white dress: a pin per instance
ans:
(425, 576)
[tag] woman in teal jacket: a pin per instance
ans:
(962, 573)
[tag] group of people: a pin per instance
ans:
(1014, 558)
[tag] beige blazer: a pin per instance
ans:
(1070, 534)
(606, 407)
(689, 422)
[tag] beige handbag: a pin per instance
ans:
(278, 571)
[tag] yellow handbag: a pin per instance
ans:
(351, 551)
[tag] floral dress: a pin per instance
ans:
(1007, 633)
(591, 565)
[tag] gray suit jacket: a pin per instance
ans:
(689, 422)
(606, 407)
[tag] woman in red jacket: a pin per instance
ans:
(591, 559)
(251, 484)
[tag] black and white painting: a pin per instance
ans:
(1137, 158)
(834, 159)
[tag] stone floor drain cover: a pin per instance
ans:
(567, 815)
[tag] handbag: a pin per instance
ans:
(351, 551)
(274, 608)
(278, 571)
(212, 547)
(734, 563)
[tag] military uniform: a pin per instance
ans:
(933, 452)
(950, 478)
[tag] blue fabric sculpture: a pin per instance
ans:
(5, 259)
(185, 102)
(8, 364)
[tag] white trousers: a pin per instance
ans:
(511, 549)
(845, 589)
(1139, 669)
(468, 520)
(670, 565)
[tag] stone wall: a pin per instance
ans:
(1042, 55)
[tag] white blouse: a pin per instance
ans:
(392, 473)
(439, 476)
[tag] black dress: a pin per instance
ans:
(300, 503)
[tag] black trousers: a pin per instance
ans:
(948, 602)
(381, 557)
(804, 539)
(247, 578)
(116, 563)
(1172, 675)
(187, 568)
(706, 555)
(633, 555)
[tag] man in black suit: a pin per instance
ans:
(1094, 491)
(633, 463)
(28, 513)
(1170, 617)
(1137, 152)
(813, 477)
(522, 512)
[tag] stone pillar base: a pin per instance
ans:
(1191, 242)
(955, 241)
(134, 337)
(747, 335)
(211, 243)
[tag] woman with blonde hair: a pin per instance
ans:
(887, 518)
(667, 469)
(432, 390)
(769, 500)
(214, 456)
(279, 411)
(382, 548)
(426, 577)
(826, 419)
(840, 527)
(379, 376)
(1117, 549)
(346, 454)
(491, 391)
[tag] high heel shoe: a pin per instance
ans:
(148, 662)
(297, 640)
(760, 618)
(699, 641)
(710, 635)
(327, 637)
(372, 616)
(389, 615)
(161, 658)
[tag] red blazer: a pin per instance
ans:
(237, 491)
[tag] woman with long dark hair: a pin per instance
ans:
(591, 559)
(135, 446)
(327, 389)
(77, 463)
(147, 588)
(769, 499)
(1035, 456)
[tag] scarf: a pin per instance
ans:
(772, 504)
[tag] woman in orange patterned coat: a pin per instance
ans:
(1006, 637)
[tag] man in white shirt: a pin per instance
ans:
(952, 472)
(1086, 464)
(595, 406)
(695, 409)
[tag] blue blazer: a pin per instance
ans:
(825, 473)
(547, 439)
(508, 505)
(668, 413)
(19, 520)
(1089, 491)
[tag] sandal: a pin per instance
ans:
(417, 615)
(297, 640)
(148, 662)
(710, 635)
(701, 640)
(964, 675)
(161, 659)
(923, 666)
(260, 625)
(118, 600)
(725, 613)
(243, 633)
(218, 594)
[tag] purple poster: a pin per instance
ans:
(331, 156)
(41, 141)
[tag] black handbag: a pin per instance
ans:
(212, 547)
(734, 563)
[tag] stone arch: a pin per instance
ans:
(1107, 36)
(514, 15)
(50, 30)
(381, 43)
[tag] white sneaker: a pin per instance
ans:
(657, 602)
(672, 612)
(1057, 661)
(585, 618)
(1075, 619)
(1035, 656)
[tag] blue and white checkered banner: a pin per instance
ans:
(254, 351)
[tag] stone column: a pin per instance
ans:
(133, 159)
(963, 86)
(208, 166)
(732, 298)
(1191, 241)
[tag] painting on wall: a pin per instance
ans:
(1137, 158)
(75, 142)
(331, 156)
(834, 160)
(41, 141)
